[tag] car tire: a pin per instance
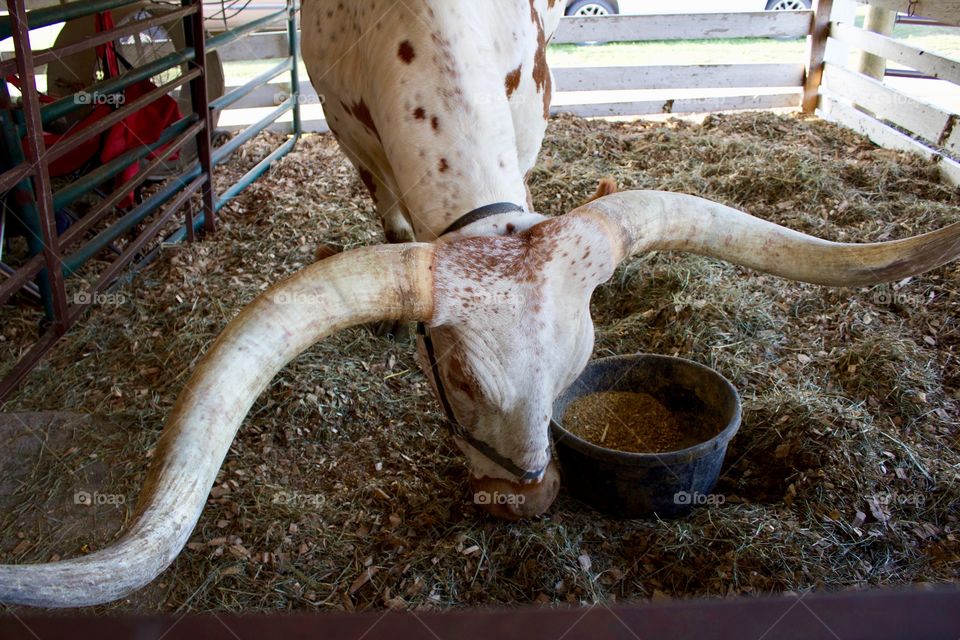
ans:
(589, 8)
(788, 5)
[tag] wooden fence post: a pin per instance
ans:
(816, 48)
(882, 21)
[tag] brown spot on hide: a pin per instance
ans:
(458, 375)
(406, 52)
(512, 80)
(520, 258)
(541, 72)
(444, 165)
(420, 114)
(361, 112)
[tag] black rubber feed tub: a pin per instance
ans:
(636, 485)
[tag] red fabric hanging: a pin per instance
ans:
(107, 51)
(74, 160)
(140, 128)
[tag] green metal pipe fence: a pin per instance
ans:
(52, 264)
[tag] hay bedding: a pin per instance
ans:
(342, 491)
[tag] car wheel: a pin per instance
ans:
(588, 8)
(788, 5)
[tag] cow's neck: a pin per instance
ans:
(437, 202)
(449, 135)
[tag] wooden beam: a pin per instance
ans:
(630, 28)
(599, 79)
(257, 46)
(706, 104)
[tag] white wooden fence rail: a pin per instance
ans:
(925, 120)
(707, 76)
(763, 24)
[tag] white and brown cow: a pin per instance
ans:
(441, 104)
(442, 107)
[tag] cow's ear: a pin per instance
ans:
(325, 251)
(606, 186)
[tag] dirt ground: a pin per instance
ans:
(342, 490)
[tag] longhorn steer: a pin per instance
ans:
(442, 106)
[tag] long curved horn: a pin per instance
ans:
(365, 285)
(640, 221)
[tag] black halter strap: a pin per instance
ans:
(482, 212)
(452, 425)
(458, 431)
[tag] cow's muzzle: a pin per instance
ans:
(515, 501)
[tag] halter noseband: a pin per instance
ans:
(453, 426)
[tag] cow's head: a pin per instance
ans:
(511, 329)
(510, 320)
